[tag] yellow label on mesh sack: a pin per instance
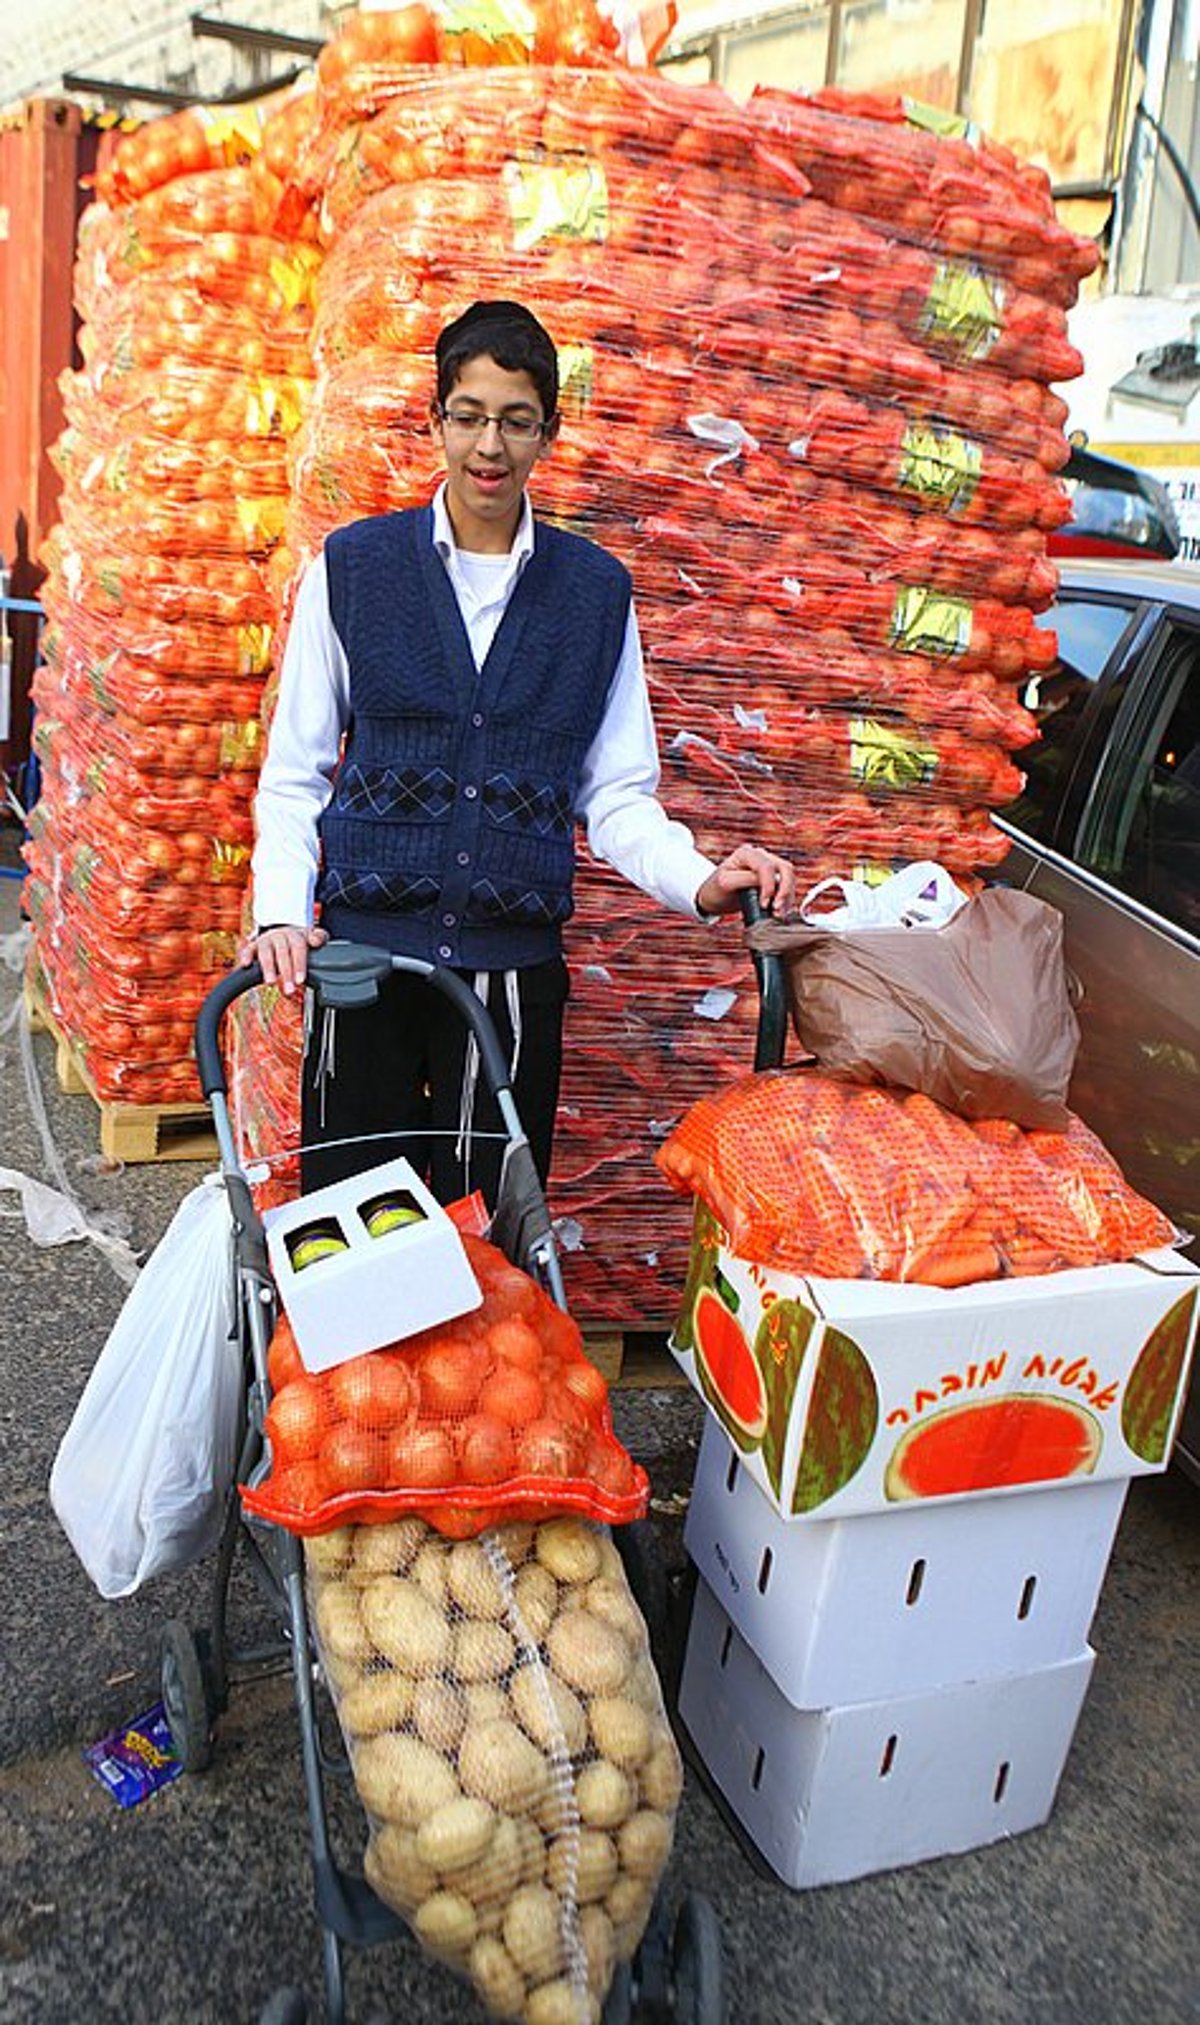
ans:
(83, 868)
(236, 135)
(294, 274)
(932, 119)
(941, 468)
(926, 622)
(228, 861)
(890, 759)
(273, 407)
(508, 25)
(964, 309)
(218, 948)
(240, 744)
(559, 197)
(576, 378)
(96, 672)
(261, 520)
(116, 471)
(254, 648)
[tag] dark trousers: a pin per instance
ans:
(397, 1070)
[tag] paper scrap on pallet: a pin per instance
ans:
(847, 1396)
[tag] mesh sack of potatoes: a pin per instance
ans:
(506, 1731)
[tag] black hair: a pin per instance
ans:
(508, 333)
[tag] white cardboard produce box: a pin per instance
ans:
(366, 1262)
(848, 1396)
(894, 1603)
(832, 1794)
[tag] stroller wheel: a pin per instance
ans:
(651, 1972)
(618, 2005)
(287, 2006)
(696, 1963)
(185, 1697)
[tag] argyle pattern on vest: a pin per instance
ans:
(450, 834)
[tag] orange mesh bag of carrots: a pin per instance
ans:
(495, 1415)
(812, 1174)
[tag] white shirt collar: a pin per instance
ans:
(443, 533)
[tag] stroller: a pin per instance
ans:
(675, 1978)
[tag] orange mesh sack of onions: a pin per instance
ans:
(496, 1414)
(507, 1735)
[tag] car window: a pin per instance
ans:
(1088, 635)
(1144, 833)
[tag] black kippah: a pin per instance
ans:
(506, 330)
(496, 317)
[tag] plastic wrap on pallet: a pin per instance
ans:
(807, 352)
(164, 586)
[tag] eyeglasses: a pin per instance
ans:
(473, 422)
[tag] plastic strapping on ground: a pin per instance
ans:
(560, 1759)
(54, 1214)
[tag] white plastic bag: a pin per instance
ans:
(142, 1471)
(918, 896)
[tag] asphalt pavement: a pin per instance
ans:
(197, 1904)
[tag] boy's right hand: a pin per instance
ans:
(282, 954)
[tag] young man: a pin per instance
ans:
(485, 672)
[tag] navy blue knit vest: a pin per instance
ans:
(450, 834)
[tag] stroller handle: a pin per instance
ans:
(347, 974)
(209, 1020)
(771, 1038)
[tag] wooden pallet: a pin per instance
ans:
(633, 1358)
(132, 1133)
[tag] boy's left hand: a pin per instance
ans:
(747, 868)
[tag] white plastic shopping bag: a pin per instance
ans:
(142, 1472)
(922, 895)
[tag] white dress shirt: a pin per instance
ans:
(617, 803)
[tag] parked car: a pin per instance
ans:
(1108, 830)
(1116, 510)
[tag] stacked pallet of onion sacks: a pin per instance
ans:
(196, 308)
(823, 440)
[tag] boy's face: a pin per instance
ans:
(486, 470)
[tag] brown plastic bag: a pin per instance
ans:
(976, 1014)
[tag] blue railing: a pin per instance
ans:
(19, 788)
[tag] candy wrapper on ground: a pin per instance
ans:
(508, 1740)
(812, 1174)
(496, 1414)
(135, 1760)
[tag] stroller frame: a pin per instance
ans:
(675, 1978)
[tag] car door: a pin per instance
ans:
(1111, 836)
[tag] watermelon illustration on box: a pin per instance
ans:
(848, 1396)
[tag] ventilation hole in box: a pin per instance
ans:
(915, 1582)
(726, 1642)
(759, 1762)
(1001, 1783)
(1026, 1604)
(731, 1473)
(889, 1752)
(764, 1570)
